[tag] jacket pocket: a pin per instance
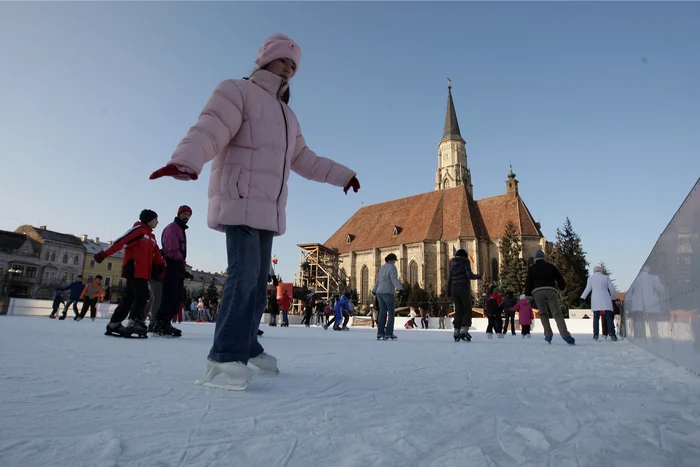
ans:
(229, 180)
(243, 183)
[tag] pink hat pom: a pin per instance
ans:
(278, 46)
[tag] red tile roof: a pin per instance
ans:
(437, 215)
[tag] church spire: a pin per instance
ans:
(451, 131)
(512, 185)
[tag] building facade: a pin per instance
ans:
(41, 260)
(110, 269)
(424, 230)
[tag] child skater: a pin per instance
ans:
(525, 315)
(253, 139)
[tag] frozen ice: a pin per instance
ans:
(74, 397)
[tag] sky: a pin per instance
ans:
(596, 105)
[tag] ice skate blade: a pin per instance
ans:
(225, 387)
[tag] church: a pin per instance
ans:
(424, 230)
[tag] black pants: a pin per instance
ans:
(463, 307)
(308, 312)
(57, 302)
(173, 288)
(526, 329)
(346, 315)
(133, 303)
(495, 323)
(510, 316)
(92, 304)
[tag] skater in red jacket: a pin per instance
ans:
(140, 257)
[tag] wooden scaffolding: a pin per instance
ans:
(318, 270)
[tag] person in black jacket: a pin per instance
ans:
(509, 301)
(459, 289)
(543, 282)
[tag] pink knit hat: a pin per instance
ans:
(278, 46)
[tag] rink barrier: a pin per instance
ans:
(30, 307)
(662, 306)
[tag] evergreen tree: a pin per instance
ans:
(212, 291)
(512, 268)
(417, 297)
(403, 301)
(433, 301)
(568, 256)
(607, 272)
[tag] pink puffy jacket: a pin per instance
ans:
(525, 313)
(254, 139)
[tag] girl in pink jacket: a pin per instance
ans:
(525, 315)
(253, 139)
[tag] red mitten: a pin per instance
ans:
(99, 257)
(179, 172)
(354, 183)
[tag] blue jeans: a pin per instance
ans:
(285, 315)
(74, 302)
(609, 317)
(385, 322)
(249, 253)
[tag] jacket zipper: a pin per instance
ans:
(286, 148)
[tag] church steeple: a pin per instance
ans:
(452, 168)
(512, 185)
(451, 131)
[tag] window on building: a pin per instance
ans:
(364, 285)
(75, 260)
(494, 269)
(29, 272)
(92, 264)
(72, 277)
(2, 270)
(46, 276)
(46, 256)
(121, 282)
(53, 256)
(65, 259)
(413, 273)
(109, 266)
(107, 282)
(52, 276)
(64, 277)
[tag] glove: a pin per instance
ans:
(179, 172)
(99, 257)
(354, 183)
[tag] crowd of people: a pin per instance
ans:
(253, 139)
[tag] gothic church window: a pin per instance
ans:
(413, 273)
(364, 285)
(494, 269)
(53, 256)
(65, 259)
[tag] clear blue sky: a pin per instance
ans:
(597, 105)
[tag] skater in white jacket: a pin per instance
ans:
(602, 293)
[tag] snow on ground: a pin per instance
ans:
(74, 397)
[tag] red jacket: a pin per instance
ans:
(142, 253)
(285, 301)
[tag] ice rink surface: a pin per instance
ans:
(71, 396)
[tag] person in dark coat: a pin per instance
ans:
(459, 289)
(543, 282)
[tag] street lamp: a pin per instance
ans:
(11, 273)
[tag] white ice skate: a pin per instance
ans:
(266, 363)
(238, 375)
